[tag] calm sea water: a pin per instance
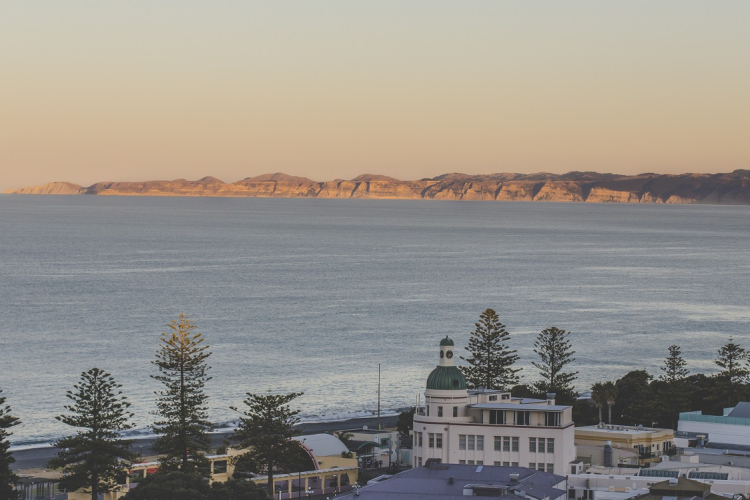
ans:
(311, 295)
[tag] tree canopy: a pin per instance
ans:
(491, 360)
(266, 428)
(7, 478)
(183, 430)
(555, 353)
(96, 457)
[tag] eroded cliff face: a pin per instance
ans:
(732, 188)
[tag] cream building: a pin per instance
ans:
(489, 427)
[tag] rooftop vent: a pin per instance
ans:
(673, 480)
(514, 476)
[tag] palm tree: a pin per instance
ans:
(599, 398)
(610, 394)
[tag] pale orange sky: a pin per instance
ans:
(138, 90)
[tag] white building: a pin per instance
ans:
(731, 429)
(461, 426)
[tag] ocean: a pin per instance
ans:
(311, 295)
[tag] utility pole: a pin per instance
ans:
(379, 428)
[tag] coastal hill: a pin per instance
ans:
(727, 189)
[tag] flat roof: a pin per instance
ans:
(621, 429)
(519, 407)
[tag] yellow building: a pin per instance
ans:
(648, 443)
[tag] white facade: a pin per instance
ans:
(724, 430)
(489, 427)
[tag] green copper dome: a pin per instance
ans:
(446, 341)
(446, 378)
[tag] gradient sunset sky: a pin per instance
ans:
(140, 90)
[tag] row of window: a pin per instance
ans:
(469, 442)
(540, 467)
(538, 445)
(440, 411)
(505, 417)
(476, 442)
(471, 462)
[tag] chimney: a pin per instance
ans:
(551, 398)
(608, 454)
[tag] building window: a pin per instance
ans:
(497, 417)
(419, 462)
(438, 440)
(440, 411)
(540, 467)
(532, 465)
(515, 443)
(532, 445)
(493, 398)
(550, 468)
(428, 410)
(462, 441)
(455, 411)
(496, 463)
(523, 417)
(506, 397)
(470, 462)
(471, 442)
(506, 443)
(480, 462)
(540, 445)
(550, 445)
(506, 464)
(420, 439)
(462, 462)
(498, 443)
(514, 464)
(552, 419)
(431, 440)
(480, 443)
(572, 493)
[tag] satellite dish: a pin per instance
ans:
(364, 427)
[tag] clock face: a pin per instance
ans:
(449, 354)
(442, 354)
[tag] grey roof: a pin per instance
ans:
(742, 410)
(519, 407)
(322, 445)
(433, 482)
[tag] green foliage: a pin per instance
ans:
(237, 489)
(674, 366)
(491, 361)
(174, 485)
(555, 353)
(265, 427)
(183, 430)
(405, 422)
(732, 359)
(7, 477)
(96, 456)
(599, 397)
(344, 436)
(635, 399)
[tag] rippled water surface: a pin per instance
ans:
(310, 295)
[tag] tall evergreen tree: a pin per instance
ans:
(265, 427)
(491, 361)
(732, 359)
(182, 404)
(96, 456)
(555, 353)
(7, 477)
(674, 366)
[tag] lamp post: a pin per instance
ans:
(309, 492)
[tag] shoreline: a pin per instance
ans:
(37, 458)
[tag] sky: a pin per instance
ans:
(141, 90)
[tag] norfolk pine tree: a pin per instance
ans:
(182, 404)
(491, 361)
(672, 389)
(265, 427)
(7, 477)
(96, 456)
(732, 360)
(554, 350)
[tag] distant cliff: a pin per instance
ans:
(729, 189)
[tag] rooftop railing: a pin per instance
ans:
(696, 416)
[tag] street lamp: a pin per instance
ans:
(309, 492)
(279, 489)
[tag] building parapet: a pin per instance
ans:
(698, 416)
